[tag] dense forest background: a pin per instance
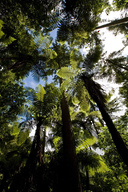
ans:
(81, 140)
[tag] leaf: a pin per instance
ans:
(14, 129)
(40, 92)
(82, 34)
(9, 40)
(3, 39)
(1, 33)
(75, 57)
(67, 72)
(23, 135)
(95, 113)
(75, 100)
(103, 167)
(1, 24)
(86, 143)
(84, 105)
(52, 54)
(56, 142)
(73, 113)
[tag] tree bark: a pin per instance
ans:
(71, 170)
(96, 95)
(44, 140)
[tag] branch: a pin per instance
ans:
(120, 66)
(116, 22)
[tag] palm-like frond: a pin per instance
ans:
(40, 93)
(91, 161)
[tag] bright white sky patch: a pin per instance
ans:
(110, 41)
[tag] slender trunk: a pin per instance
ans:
(116, 22)
(35, 154)
(23, 181)
(38, 145)
(44, 139)
(120, 145)
(33, 159)
(93, 89)
(87, 180)
(71, 171)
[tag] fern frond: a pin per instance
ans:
(67, 72)
(40, 92)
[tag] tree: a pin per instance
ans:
(12, 97)
(95, 93)
(20, 24)
(79, 20)
(71, 172)
(94, 90)
(118, 169)
(42, 114)
(14, 145)
(31, 49)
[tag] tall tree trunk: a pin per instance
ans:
(94, 91)
(38, 143)
(44, 140)
(71, 171)
(25, 182)
(87, 180)
(116, 22)
(34, 157)
(120, 145)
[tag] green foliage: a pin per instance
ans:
(22, 137)
(67, 72)
(121, 4)
(75, 58)
(27, 46)
(5, 41)
(12, 97)
(40, 93)
(56, 142)
(77, 24)
(118, 170)
(85, 144)
(75, 100)
(15, 129)
(1, 25)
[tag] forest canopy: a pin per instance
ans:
(67, 134)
